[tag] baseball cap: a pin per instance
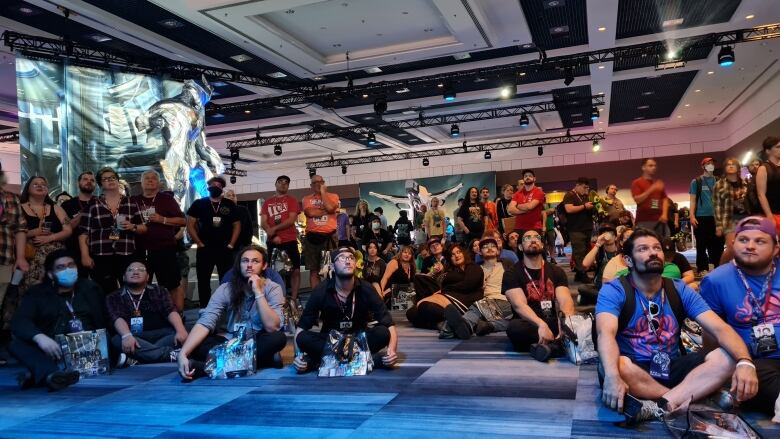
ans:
(487, 241)
(756, 223)
(706, 160)
(283, 177)
(335, 254)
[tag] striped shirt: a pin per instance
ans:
(98, 225)
(11, 222)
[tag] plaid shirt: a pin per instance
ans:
(11, 222)
(156, 300)
(723, 200)
(98, 223)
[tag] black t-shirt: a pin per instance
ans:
(245, 238)
(322, 305)
(473, 216)
(204, 210)
(373, 271)
(554, 277)
(579, 221)
(73, 207)
(681, 262)
(383, 238)
(403, 230)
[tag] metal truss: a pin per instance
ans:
(9, 137)
(467, 116)
(523, 143)
(235, 172)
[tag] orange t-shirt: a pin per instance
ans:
(325, 224)
(492, 214)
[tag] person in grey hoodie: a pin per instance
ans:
(249, 300)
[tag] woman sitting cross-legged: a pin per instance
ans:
(250, 300)
(461, 286)
(400, 271)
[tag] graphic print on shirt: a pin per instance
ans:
(319, 220)
(771, 311)
(643, 340)
(536, 294)
(275, 211)
(474, 212)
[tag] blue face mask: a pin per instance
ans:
(67, 277)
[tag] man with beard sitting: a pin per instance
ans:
(638, 319)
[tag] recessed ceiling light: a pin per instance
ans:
(750, 17)
(571, 92)
(527, 45)
(461, 56)
(440, 85)
(241, 58)
(171, 23)
(408, 112)
(218, 84)
(403, 134)
(372, 70)
(643, 107)
(697, 90)
(559, 31)
(679, 117)
(365, 96)
(576, 115)
(602, 29)
(247, 111)
(368, 118)
(402, 90)
(639, 118)
(217, 115)
(687, 105)
(277, 75)
(280, 107)
(522, 73)
(28, 11)
(99, 38)
(710, 72)
(675, 22)
(505, 92)
(648, 93)
(601, 67)
(318, 78)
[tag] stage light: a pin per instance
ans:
(454, 130)
(371, 139)
(594, 113)
(312, 172)
(540, 151)
(426, 162)
(596, 146)
(278, 150)
(344, 169)
(726, 56)
(380, 105)
(234, 155)
(449, 94)
(505, 92)
(488, 156)
(568, 77)
(232, 179)
(524, 120)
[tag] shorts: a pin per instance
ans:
(678, 369)
(164, 265)
(312, 253)
(292, 251)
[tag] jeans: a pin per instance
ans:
(206, 259)
(523, 333)
(34, 359)
(497, 312)
(709, 247)
(156, 345)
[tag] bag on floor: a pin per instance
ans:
(691, 336)
(346, 355)
(402, 297)
(577, 333)
(85, 352)
(233, 358)
(705, 422)
(291, 315)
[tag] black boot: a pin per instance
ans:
(457, 323)
(60, 380)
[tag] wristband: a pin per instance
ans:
(164, 220)
(746, 363)
(127, 335)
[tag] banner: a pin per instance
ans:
(74, 119)
(409, 195)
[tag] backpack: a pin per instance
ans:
(753, 205)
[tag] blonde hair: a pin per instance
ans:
(357, 207)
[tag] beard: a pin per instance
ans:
(87, 189)
(133, 285)
(345, 275)
(533, 251)
(756, 264)
(651, 266)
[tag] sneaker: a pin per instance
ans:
(540, 352)
(25, 380)
(121, 362)
(174, 355)
(60, 380)
(650, 411)
(460, 327)
(484, 328)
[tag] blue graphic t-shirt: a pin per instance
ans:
(704, 203)
(637, 341)
(724, 292)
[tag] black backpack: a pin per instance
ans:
(627, 312)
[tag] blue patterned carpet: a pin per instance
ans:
(442, 389)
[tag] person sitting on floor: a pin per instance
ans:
(61, 304)
(537, 292)
(503, 254)
(251, 301)
(617, 263)
(148, 327)
(461, 286)
(399, 271)
(347, 304)
(374, 267)
(638, 320)
(600, 254)
(492, 313)
(676, 266)
(743, 292)
(428, 281)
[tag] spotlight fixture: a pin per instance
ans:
(278, 150)
(350, 84)
(449, 93)
(426, 162)
(312, 172)
(232, 179)
(371, 139)
(234, 155)
(540, 151)
(380, 105)
(726, 56)
(257, 133)
(344, 169)
(524, 120)
(596, 146)
(488, 156)
(568, 77)
(454, 130)
(506, 91)
(594, 113)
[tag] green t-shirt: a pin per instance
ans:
(671, 271)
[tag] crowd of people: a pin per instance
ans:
(89, 263)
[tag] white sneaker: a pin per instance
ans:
(649, 412)
(121, 362)
(174, 355)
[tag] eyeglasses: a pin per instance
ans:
(489, 245)
(251, 261)
(136, 270)
(345, 258)
(112, 178)
(532, 238)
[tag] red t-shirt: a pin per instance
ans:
(533, 218)
(158, 236)
(278, 209)
(650, 209)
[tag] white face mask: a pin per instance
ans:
(709, 167)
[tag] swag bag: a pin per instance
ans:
(402, 297)
(346, 355)
(577, 333)
(291, 314)
(233, 358)
(704, 422)
(85, 352)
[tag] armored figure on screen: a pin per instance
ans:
(417, 195)
(181, 120)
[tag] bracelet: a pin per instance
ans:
(748, 359)
(127, 335)
(164, 220)
(746, 363)
(259, 296)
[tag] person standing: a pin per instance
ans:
(214, 226)
(434, 222)
(247, 225)
(380, 213)
(109, 230)
(579, 222)
(163, 218)
(403, 229)
(502, 207)
(612, 205)
(709, 247)
(320, 209)
(652, 204)
(768, 181)
(78, 206)
(527, 204)
(13, 240)
(362, 222)
(277, 217)
(472, 216)
(490, 208)
(730, 205)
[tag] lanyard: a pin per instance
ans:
(143, 203)
(542, 281)
(136, 305)
(343, 305)
(69, 304)
(218, 206)
(759, 312)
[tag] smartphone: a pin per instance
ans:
(631, 406)
(16, 279)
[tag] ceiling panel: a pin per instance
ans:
(644, 17)
(555, 24)
(648, 98)
(574, 105)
